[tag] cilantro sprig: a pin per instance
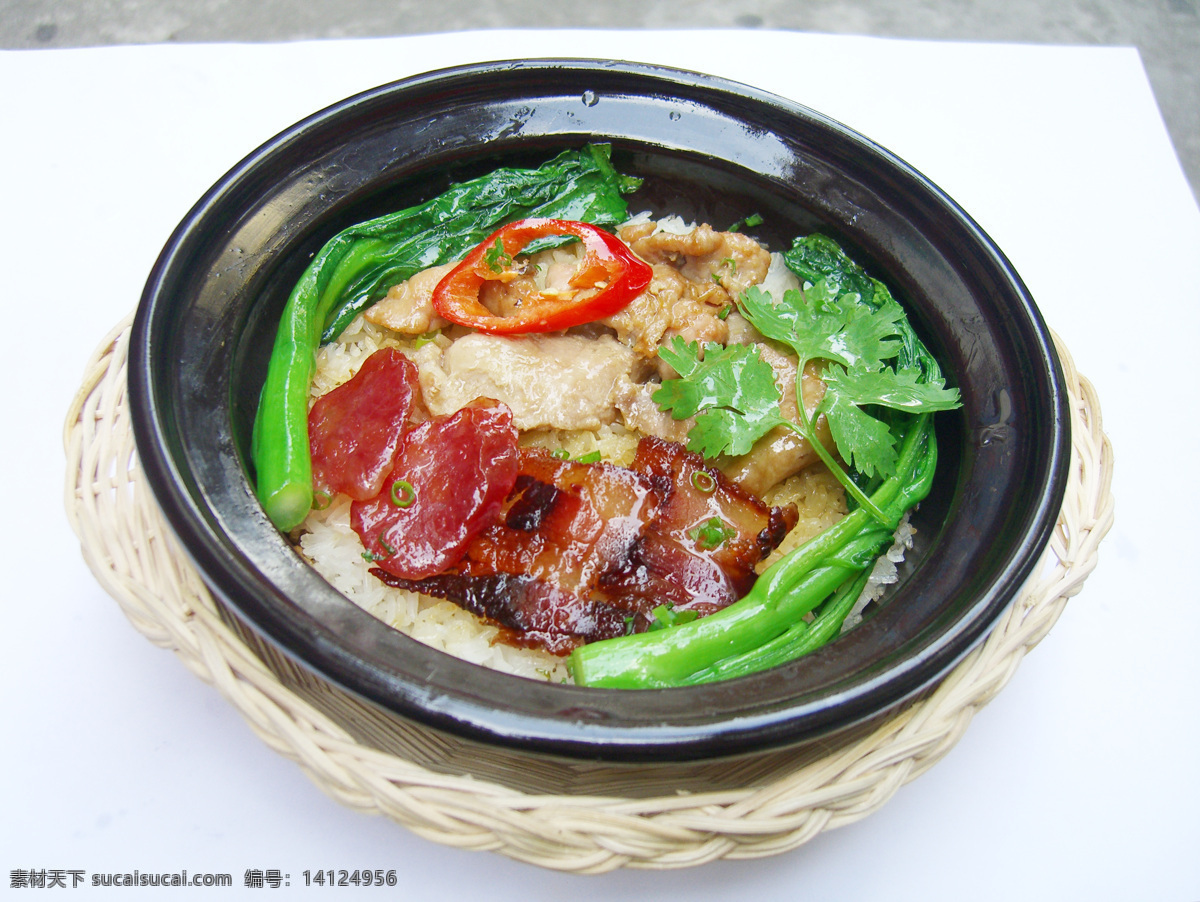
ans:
(730, 390)
(872, 361)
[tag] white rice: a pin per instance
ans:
(884, 572)
(778, 278)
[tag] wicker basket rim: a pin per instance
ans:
(134, 556)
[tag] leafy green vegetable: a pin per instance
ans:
(799, 639)
(357, 266)
(818, 258)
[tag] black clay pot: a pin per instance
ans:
(710, 150)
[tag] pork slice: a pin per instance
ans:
(781, 452)
(408, 307)
(733, 260)
(700, 551)
(548, 381)
(534, 570)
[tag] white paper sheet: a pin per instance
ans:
(1077, 782)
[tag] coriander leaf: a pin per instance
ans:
(868, 337)
(777, 321)
(898, 389)
(730, 391)
(863, 442)
(818, 258)
(495, 257)
(818, 324)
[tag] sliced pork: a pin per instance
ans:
(588, 551)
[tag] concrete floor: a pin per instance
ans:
(1166, 32)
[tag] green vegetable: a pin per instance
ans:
(357, 266)
(799, 639)
(883, 386)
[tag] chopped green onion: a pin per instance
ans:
(496, 258)
(403, 494)
(421, 340)
(711, 534)
(564, 454)
(321, 500)
(704, 482)
(665, 616)
(751, 220)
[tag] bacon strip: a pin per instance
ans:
(587, 551)
(709, 534)
(533, 612)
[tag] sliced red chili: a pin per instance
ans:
(608, 277)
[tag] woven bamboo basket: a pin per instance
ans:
(572, 816)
